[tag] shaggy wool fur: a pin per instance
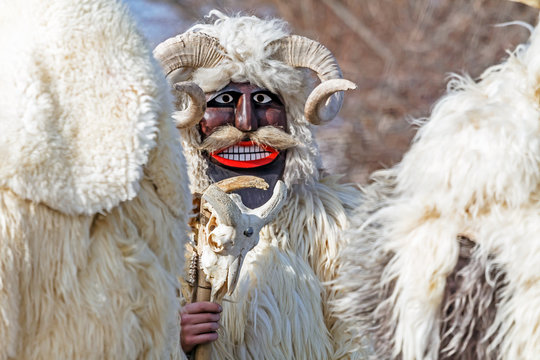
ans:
(445, 253)
(93, 188)
(280, 308)
(226, 136)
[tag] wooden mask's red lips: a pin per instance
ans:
(245, 155)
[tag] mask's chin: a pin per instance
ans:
(246, 158)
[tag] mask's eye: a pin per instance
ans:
(262, 98)
(224, 99)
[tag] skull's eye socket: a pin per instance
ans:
(262, 98)
(224, 99)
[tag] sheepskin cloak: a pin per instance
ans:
(93, 194)
(444, 258)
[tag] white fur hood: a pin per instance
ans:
(79, 104)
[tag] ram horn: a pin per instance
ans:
(325, 101)
(269, 210)
(226, 210)
(189, 50)
(192, 49)
(196, 107)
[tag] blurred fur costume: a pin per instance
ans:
(279, 309)
(93, 188)
(444, 258)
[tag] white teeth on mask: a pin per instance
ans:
(244, 153)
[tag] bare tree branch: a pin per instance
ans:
(361, 30)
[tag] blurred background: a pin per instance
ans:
(399, 53)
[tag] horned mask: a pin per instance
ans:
(198, 50)
(246, 49)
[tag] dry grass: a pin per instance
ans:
(399, 52)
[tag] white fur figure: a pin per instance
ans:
(444, 258)
(93, 187)
(280, 308)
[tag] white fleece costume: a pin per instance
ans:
(93, 188)
(280, 308)
(444, 258)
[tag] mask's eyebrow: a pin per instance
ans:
(273, 96)
(233, 93)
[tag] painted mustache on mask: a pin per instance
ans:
(226, 136)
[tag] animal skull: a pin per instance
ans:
(232, 230)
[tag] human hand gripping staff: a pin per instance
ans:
(225, 231)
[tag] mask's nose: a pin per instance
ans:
(245, 115)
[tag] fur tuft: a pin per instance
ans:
(226, 136)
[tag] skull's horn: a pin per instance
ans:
(226, 210)
(268, 210)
